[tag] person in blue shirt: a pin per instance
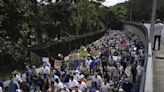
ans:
(13, 85)
(93, 64)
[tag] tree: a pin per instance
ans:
(141, 9)
(15, 27)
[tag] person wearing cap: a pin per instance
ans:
(157, 33)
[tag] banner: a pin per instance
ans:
(84, 53)
(45, 59)
(57, 64)
(95, 53)
(74, 56)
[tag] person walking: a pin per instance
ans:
(157, 33)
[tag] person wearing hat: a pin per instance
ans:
(157, 33)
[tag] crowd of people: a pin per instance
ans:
(118, 67)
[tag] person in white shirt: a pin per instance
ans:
(65, 89)
(19, 90)
(97, 79)
(140, 70)
(54, 77)
(58, 85)
(73, 83)
(76, 75)
(18, 77)
(76, 89)
(157, 33)
(1, 89)
(105, 87)
(82, 86)
(45, 72)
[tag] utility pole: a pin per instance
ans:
(131, 11)
(153, 17)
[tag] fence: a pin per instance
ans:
(64, 46)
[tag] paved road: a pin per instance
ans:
(158, 68)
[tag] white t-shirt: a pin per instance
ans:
(73, 83)
(104, 88)
(158, 29)
(115, 58)
(139, 70)
(77, 77)
(162, 36)
(76, 91)
(18, 90)
(128, 71)
(1, 89)
(45, 70)
(58, 86)
(83, 86)
(98, 80)
(18, 78)
(54, 78)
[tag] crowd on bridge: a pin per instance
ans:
(117, 67)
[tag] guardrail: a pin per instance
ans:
(141, 30)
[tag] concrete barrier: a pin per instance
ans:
(149, 72)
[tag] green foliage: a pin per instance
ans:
(114, 16)
(15, 24)
(141, 9)
(23, 22)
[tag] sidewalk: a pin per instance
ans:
(158, 71)
(158, 60)
(158, 67)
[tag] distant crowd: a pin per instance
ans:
(117, 67)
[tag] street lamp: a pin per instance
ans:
(153, 16)
(131, 11)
